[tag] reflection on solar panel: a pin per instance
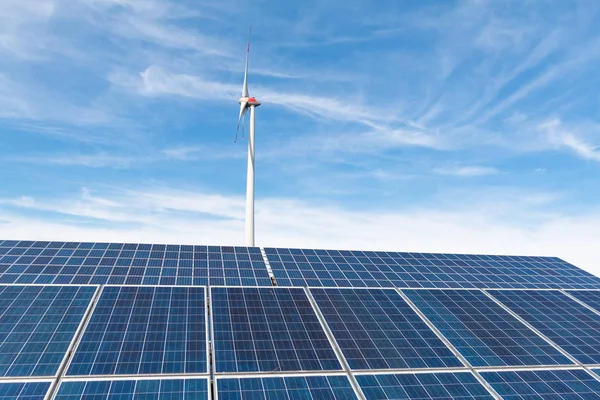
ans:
(564, 321)
(460, 385)
(288, 388)
(37, 324)
(482, 331)
(23, 391)
(376, 329)
(333, 268)
(532, 385)
(589, 297)
(269, 330)
(130, 264)
(144, 330)
(171, 389)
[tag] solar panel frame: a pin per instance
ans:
(216, 341)
(132, 387)
(270, 381)
(82, 294)
(145, 343)
(529, 384)
(24, 389)
(579, 333)
(471, 332)
(413, 348)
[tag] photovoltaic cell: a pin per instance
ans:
(144, 330)
(288, 388)
(484, 333)
(37, 325)
(377, 329)
(533, 385)
(130, 264)
(564, 321)
(170, 389)
(23, 391)
(333, 268)
(268, 330)
(589, 297)
(438, 386)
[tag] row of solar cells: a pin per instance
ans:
(160, 330)
(144, 264)
(512, 385)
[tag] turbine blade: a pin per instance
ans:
(245, 87)
(243, 109)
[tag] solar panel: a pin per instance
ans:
(377, 329)
(286, 388)
(441, 386)
(130, 264)
(37, 325)
(268, 330)
(589, 297)
(23, 390)
(564, 321)
(482, 331)
(532, 385)
(171, 389)
(333, 268)
(144, 330)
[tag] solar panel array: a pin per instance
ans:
(125, 321)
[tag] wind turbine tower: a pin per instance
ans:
(247, 102)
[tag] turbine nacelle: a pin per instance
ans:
(249, 101)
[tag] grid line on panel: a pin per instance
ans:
(436, 386)
(267, 329)
(333, 387)
(568, 324)
(483, 332)
(377, 329)
(23, 390)
(150, 389)
(555, 384)
(333, 268)
(142, 330)
(37, 324)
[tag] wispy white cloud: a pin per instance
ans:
(561, 136)
(466, 171)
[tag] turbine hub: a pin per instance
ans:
(250, 101)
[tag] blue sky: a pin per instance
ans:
(449, 126)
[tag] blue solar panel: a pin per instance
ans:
(169, 389)
(438, 386)
(482, 331)
(564, 321)
(287, 388)
(130, 264)
(333, 268)
(589, 297)
(533, 385)
(37, 325)
(376, 329)
(269, 330)
(23, 391)
(144, 330)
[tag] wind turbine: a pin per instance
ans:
(247, 102)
